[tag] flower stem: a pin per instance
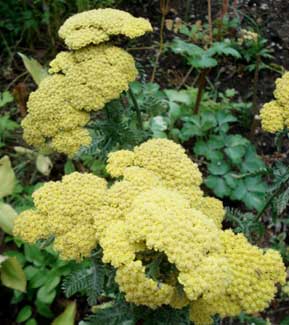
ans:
(137, 108)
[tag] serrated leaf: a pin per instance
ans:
(254, 200)
(44, 164)
(235, 154)
(7, 177)
(218, 167)
(239, 191)
(36, 70)
(68, 316)
(218, 185)
(7, 217)
(12, 274)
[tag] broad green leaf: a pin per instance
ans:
(158, 126)
(7, 216)
(12, 274)
(254, 200)
(36, 70)
(30, 271)
(24, 314)
(31, 321)
(68, 316)
(255, 184)
(7, 177)
(231, 180)
(46, 296)
(223, 117)
(235, 154)
(203, 62)
(218, 186)
(239, 191)
(236, 140)
(5, 98)
(43, 309)
(181, 96)
(44, 164)
(218, 167)
(34, 255)
(38, 279)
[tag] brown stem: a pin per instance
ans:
(255, 93)
(202, 83)
(164, 5)
(225, 8)
(210, 21)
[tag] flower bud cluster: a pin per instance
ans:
(155, 213)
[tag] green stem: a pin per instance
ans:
(137, 108)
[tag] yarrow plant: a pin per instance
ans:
(82, 80)
(155, 213)
(275, 114)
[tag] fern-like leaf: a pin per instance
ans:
(78, 281)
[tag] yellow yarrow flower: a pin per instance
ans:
(275, 114)
(82, 80)
(145, 217)
(99, 25)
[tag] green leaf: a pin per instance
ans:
(239, 191)
(12, 274)
(236, 140)
(7, 177)
(30, 271)
(46, 296)
(255, 184)
(39, 279)
(231, 180)
(34, 255)
(69, 167)
(24, 314)
(7, 217)
(37, 72)
(31, 321)
(218, 186)
(235, 154)
(254, 200)
(43, 309)
(158, 126)
(68, 316)
(5, 98)
(218, 167)
(203, 62)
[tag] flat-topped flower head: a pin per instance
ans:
(99, 25)
(81, 82)
(275, 114)
(164, 241)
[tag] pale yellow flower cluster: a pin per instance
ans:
(156, 214)
(98, 26)
(247, 35)
(275, 114)
(82, 80)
